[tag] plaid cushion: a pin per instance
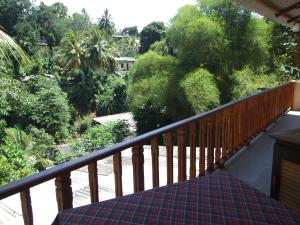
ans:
(214, 199)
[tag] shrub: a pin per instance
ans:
(248, 81)
(113, 98)
(151, 64)
(197, 40)
(97, 138)
(51, 111)
(120, 130)
(147, 101)
(77, 150)
(150, 116)
(200, 90)
(160, 47)
(42, 164)
(2, 131)
(14, 163)
(84, 124)
(43, 143)
(15, 101)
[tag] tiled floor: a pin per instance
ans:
(253, 164)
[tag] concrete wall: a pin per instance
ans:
(296, 103)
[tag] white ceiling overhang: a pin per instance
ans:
(285, 12)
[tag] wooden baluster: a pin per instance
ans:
(218, 137)
(235, 137)
(138, 168)
(181, 154)
(225, 136)
(64, 196)
(155, 162)
(26, 207)
(230, 132)
(117, 158)
(203, 140)
(210, 145)
(169, 148)
(192, 150)
(93, 182)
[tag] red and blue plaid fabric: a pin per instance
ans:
(214, 199)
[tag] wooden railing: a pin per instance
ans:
(216, 134)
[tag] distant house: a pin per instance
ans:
(124, 63)
(119, 37)
(42, 43)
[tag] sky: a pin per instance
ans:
(126, 13)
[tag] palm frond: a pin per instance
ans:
(9, 48)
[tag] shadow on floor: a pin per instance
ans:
(253, 164)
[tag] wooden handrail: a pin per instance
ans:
(51, 173)
(218, 134)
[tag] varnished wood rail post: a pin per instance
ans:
(203, 141)
(169, 148)
(117, 158)
(218, 137)
(210, 145)
(181, 154)
(192, 135)
(138, 168)
(64, 196)
(26, 207)
(155, 162)
(93, 182)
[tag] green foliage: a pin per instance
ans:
(2, 131)
(11, 11)
(105, 23)
(42, 164)
(84, 123)
(151, 33)
(11, 54)
(77, 150)
(131, 31)
(249, 81)
(50, 110)
(86, 59)
(189, 33)
(49, 19)
(120, 130)
(112, 99)
(246, 41)
(160, 47)
(283, 42)
(43, 143)
(200, 90)
(15, 101)
(128, 47)
(19, 138)
(94, 139)
(97, 138)
(147, 100)
(150, 116)
(14, 163)
(150, 64)
(80, 21)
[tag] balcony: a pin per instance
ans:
(231, 139)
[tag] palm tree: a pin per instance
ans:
(100, 51)
(10, 49)
(105, 23)
(73, 52)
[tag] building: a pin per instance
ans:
(124, 63)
